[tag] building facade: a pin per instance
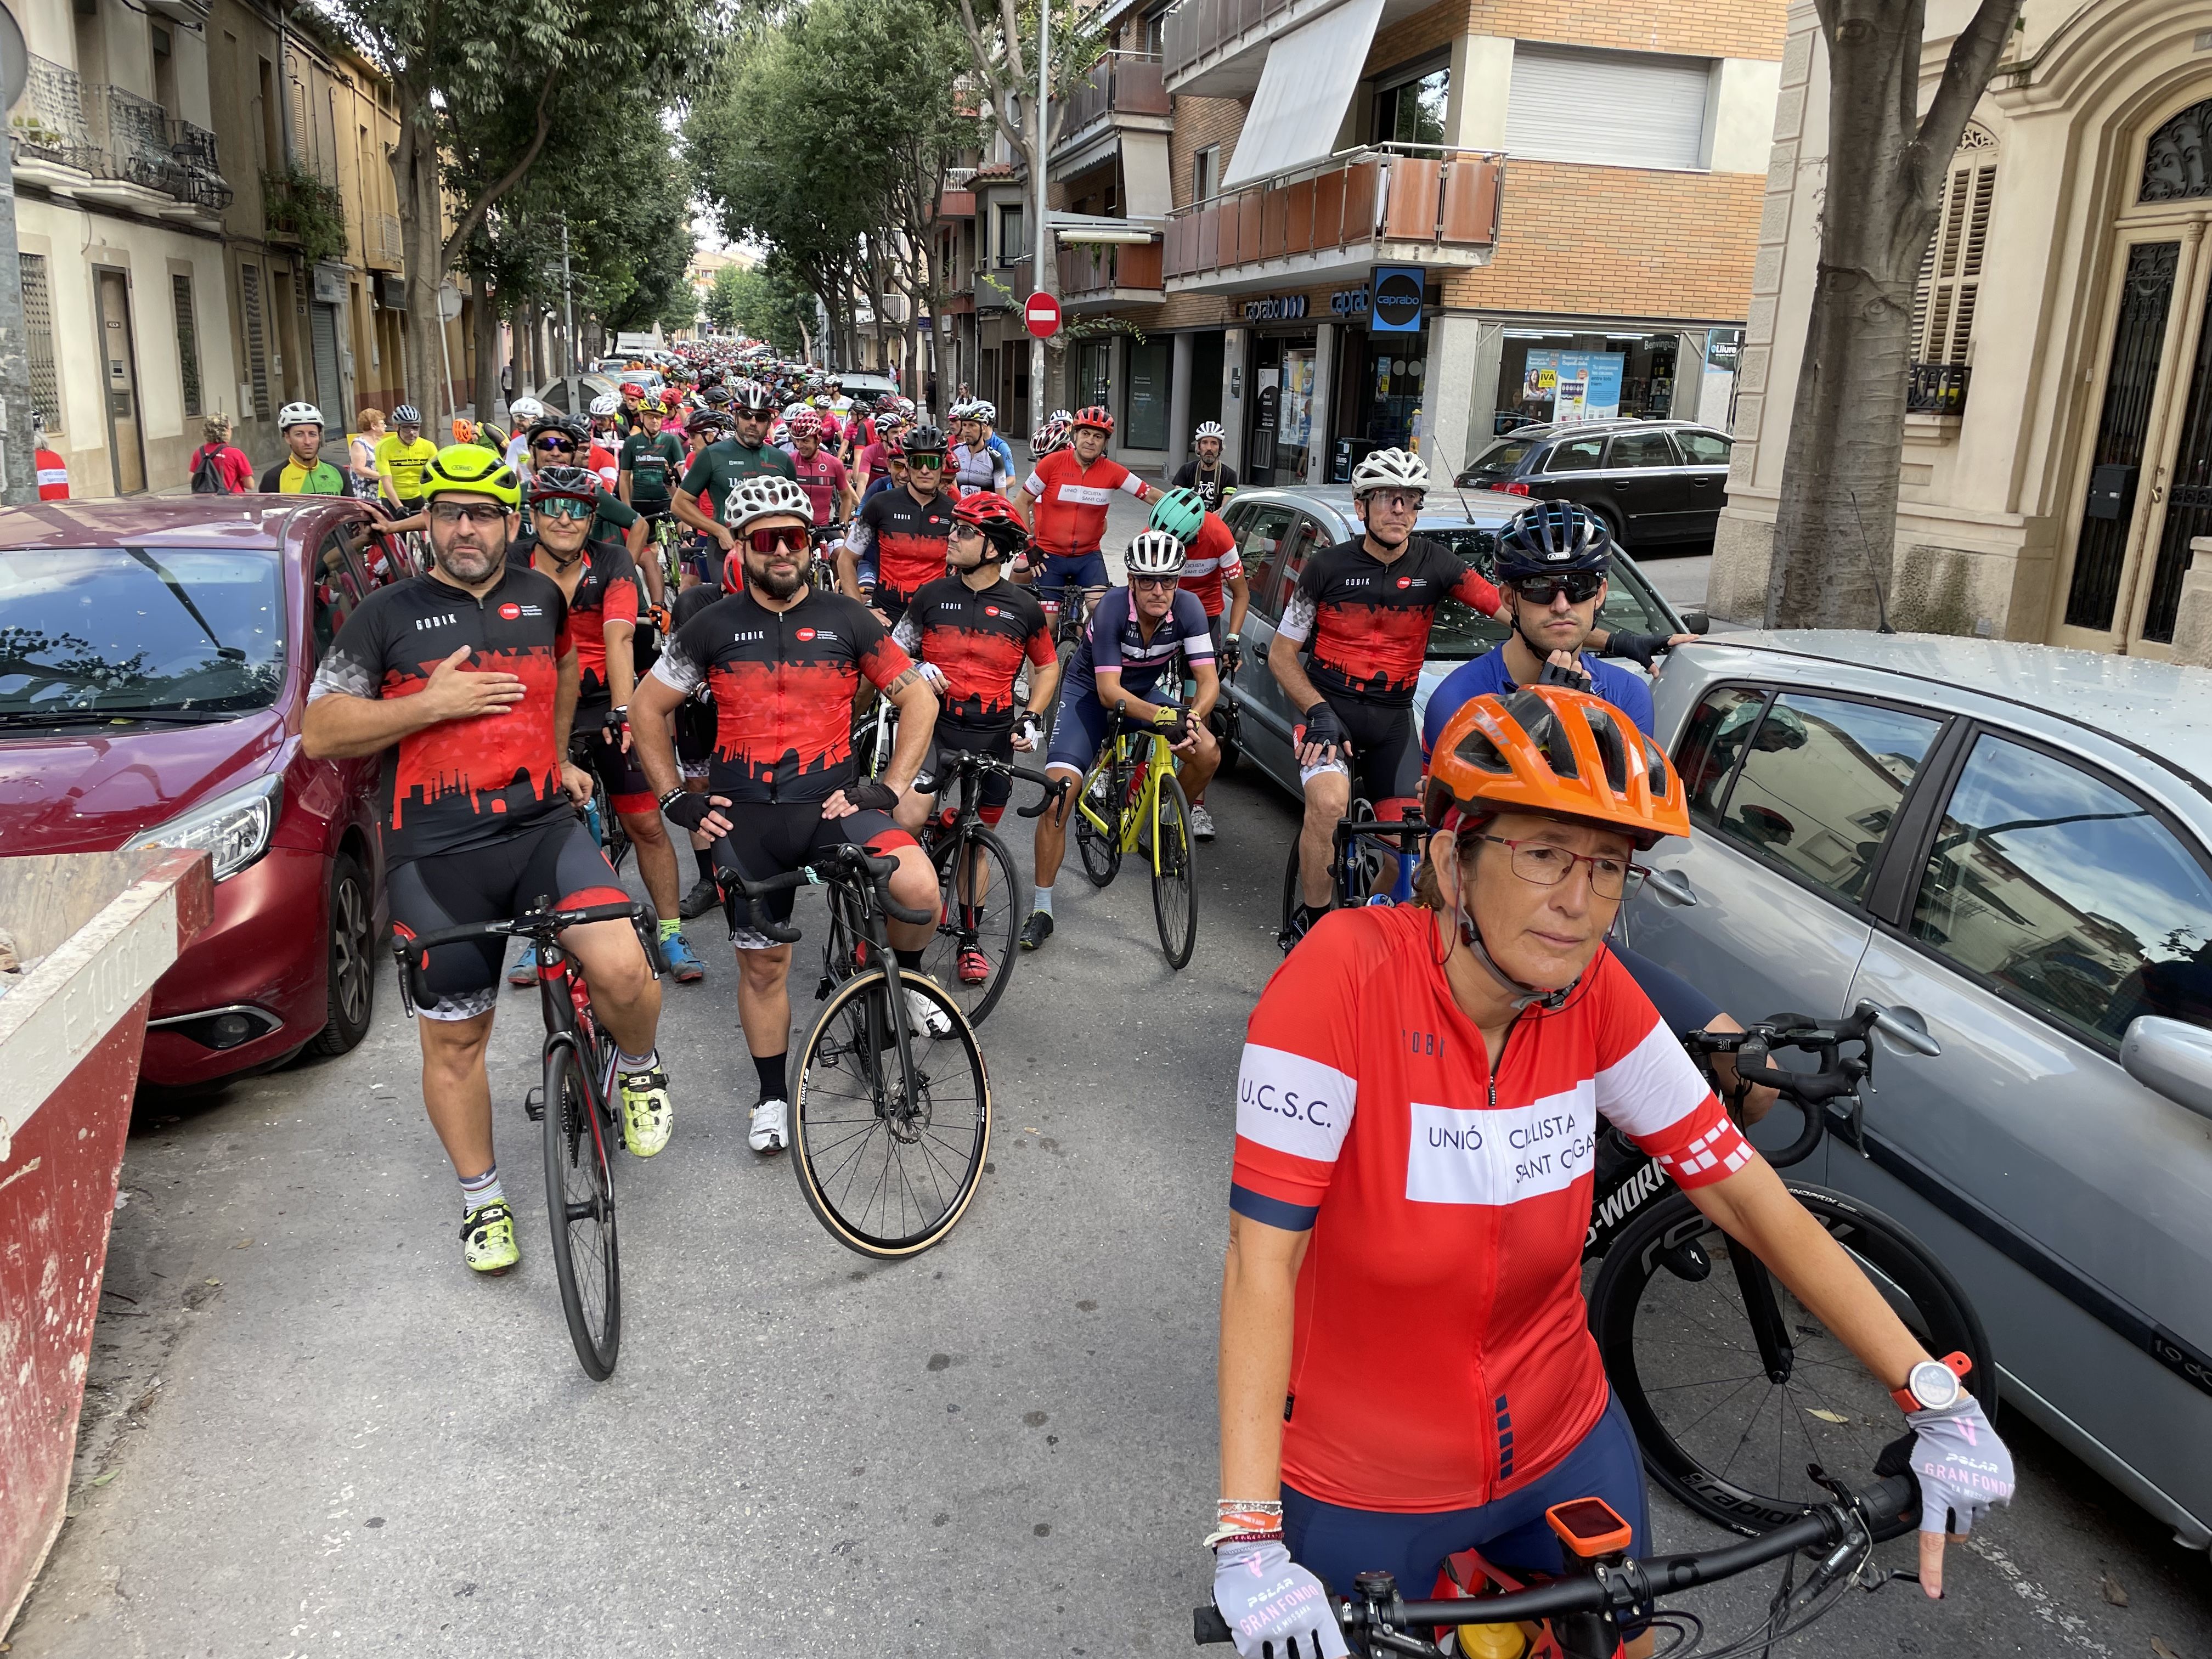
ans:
(2058, 458)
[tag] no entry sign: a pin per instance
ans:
(1041, 315)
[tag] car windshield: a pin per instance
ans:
(1498, 461)
(1630, 607)
(123, 631)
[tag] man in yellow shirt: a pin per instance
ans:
(401, 455)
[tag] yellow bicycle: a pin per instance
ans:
(1132, 802)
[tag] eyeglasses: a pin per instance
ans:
(563, 446)
(775, 541)
(449, 512)
(1542, 865)
(564, 506)
(1579, 586)
(1154, 582)
(1404, 501)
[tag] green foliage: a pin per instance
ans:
(297, 203)
(725, 295)
(768, 302)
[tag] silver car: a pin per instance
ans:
(1276, 529)
(2007, 848)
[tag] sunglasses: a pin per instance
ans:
(1406, 500)
(563, 445)
(564, 506)
(928, 462)
(446, 512)
(775, 541)
(1579, 586)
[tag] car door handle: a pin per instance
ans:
(1671, 887)
(1904, 1027)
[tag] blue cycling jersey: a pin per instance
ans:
(1487, 675)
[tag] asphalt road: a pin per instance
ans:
(310, 1432)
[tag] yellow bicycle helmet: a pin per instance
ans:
(470, 469)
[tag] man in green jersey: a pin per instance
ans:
(718, 469)
(303, 472)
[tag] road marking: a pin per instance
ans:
(2040, 1600)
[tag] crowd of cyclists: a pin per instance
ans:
(711, 580)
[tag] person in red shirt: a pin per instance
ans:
(230, 464)
(1071, 488)
(821, 474)
(1416, 1128)
(1211, 562)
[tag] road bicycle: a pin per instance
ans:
(606, 824)
(821, 543)
(892, 1117)
(978, 886)
(1226, 718)
(1582, 1610)
(1131, 801)
(1365, 851)
(577, 1106)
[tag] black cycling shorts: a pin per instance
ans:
(769, 838)
(1385, 761)
(694, 734)
(998, 786)
(618, 774)
(556, 862)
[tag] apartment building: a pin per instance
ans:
(1332, 224)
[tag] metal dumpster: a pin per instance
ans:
(98, 928)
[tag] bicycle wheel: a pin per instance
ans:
(982, 909)
(580, 1199)
(888, 1162)
(1101, 848)
(1293, 897)
(1672, 1308)
(1174, 875)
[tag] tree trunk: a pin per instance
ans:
(487, 335)
(525, 360)
(415, 173)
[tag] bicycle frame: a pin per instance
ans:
(1133, 781)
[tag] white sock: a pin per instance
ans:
(1043, 900)
(477, 1191)
(625, 1063)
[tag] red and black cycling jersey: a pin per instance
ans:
(1369, 622)
(979, 640)
(784, 684)
(907, 536)
(470, 782)
(607, 592)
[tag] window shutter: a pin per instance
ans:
(1951, 270)
(1608, 108)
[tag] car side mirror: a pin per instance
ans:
(2172, 1057)
(1697, 622)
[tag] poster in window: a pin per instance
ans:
(1580, 386)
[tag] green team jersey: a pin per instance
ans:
(653, 461)
(721, 466)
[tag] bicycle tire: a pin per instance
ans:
(847, 1133)
(997, 930)
(1174, 874)
(1102, 852)
(580, 1203)
(1293, 896)
(1648, 1317)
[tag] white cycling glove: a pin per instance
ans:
(933, 674)
(1271, 1602)
(1963, 1467)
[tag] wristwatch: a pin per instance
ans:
(1933, 1384)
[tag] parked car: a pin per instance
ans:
(1655, 482)
(859, 383)
(554, 394)
(2008, 849)
(158, 657)
(1276, 529)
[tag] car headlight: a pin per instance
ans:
(233, 829)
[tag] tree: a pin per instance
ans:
(1835, 528)
(726, 295)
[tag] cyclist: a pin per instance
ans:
(651, 460)
(470, 671)
(726, 462)
(521, 413)
(1365, 608)
(632, 400)
(981, 460)
(872, 462)
(303, 472)
(1450, 1057)
(402, 455)
(606, 430)
(1135, 636)
(821, 474)
(1072, 487)
(787, 662)
(1211, 562)
(598, 579)
(903, 530)
(1204, 472)
(970, 632)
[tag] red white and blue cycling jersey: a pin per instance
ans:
(1211, 559)
(1071, 501)
(1447, 1203)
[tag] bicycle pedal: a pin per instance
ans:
(534, 1104)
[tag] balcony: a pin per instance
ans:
(50, 142)
(1938, 389)
(382, 247)
(1003, 288)
(1123, 88)
(1097, 277)
(1391, 205)
(105, 144)
(1214, 48)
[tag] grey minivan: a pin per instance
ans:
(2007, 850)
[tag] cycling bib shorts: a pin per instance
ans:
(1084, 569)
(616, 770)
(1385, 761)
(771, 838)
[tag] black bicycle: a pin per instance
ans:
(893, 1118)
(577, 1106)
(980, 888)
(607, 824)
(1602, 1588)
(1365, 850)
(1732, 1385)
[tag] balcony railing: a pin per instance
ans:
(111, 134)
(384, 250)
(1120, 83)
(1936, 388)
(1412, 198)
(1002, 287)
(1088, 270)
(48, 122)
(1197, 28)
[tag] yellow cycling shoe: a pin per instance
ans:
(488, 1239)
(647, 1118)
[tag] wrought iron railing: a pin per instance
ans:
(1120, 83)
(48, 124)
(133, 136)
(1936, 388)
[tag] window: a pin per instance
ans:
(38, 333)
(1703, 448)
(1608, 108)
(1951, 270)
(340, 586)
(1205, 173)
(1011, 246)
(2055, 886)
(257, 348)
(188, 341)
(1711, 745)
(1413, 112)
(1819, 782)
(1260, 547)
(2175, 160)
(1641, 449)
(1582, 455)
(1304, 536)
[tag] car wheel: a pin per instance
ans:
(351, 994)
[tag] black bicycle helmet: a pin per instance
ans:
(1552, 538)
(925, 440)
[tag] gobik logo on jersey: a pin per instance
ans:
(510, 612)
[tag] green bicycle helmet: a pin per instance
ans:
(470, 469)
(1181, 512)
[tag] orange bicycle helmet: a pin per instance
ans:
(1551, 749)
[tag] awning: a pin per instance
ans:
(1305, 90)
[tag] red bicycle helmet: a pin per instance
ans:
(632, 389)
(987, 511)
(1094, 415)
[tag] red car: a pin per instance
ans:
(154, 660)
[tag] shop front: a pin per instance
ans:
(1287, 413)
(1565, 374)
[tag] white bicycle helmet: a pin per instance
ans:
(1389, 469)
(293, 415)
(1210, 430)
(525, 410)
(765, 497)
(406, 415)
(986, 412)
(606, 405)
(1155, 553)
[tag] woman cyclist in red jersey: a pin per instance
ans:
(1415, 1124)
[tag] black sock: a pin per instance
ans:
(770, 1067)
(706, 857)
(907, 958)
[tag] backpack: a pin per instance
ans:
(207, 476)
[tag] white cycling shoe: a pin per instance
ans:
(925, 1018)
(1201, 823)
(771, 1127)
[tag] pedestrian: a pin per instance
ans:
(218, 467)
(362, 475)
(52, 471)
(303, 472)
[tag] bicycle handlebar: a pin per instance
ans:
(963, 761)
(838, 863)
(412, 953)
(1838, 1077)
